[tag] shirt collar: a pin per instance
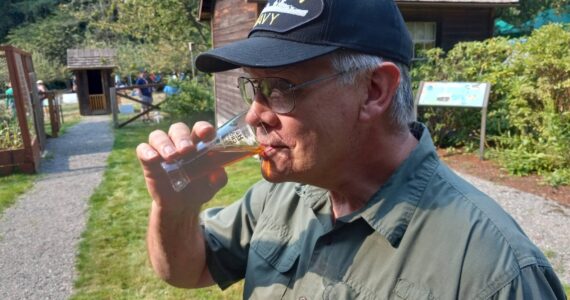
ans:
(391, 208)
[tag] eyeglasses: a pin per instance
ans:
(278, 93)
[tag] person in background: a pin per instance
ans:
(145, 93)
(354, 201)
(42, 92)
(10, 104)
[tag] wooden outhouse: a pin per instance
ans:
(92, 70)
(432, 23)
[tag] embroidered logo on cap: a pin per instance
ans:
(284, 15)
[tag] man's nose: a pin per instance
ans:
(260, 113)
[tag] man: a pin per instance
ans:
(145, 93)
(355, 203)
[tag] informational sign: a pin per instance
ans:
(456, 94)
(462, 94)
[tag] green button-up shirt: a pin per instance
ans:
(425, 234)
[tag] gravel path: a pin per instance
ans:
(39, 235)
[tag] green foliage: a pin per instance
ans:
(147, 33)
(469, 61)
(193, 97)
(529, 106)
(10, 133)
(51, 36)
(17, 12)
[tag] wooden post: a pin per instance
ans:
(484, 121)
(114, 106)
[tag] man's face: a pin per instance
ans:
(313, 141)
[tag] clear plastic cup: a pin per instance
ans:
(234, 141)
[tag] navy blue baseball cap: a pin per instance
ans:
(293, 31)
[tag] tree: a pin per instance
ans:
(18, 12)
(147, 33)
(51, 36)
(528, 9)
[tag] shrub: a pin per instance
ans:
(528, 120)
(192, 97)
(467, 61)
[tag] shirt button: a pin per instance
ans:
(302, 298)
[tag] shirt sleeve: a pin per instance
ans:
(533, 282)
(228, 231)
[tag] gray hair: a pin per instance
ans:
(402, 108)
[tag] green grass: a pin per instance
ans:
(113, 262)
(13, 186)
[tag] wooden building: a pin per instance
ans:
(92, 69)
(432, 23)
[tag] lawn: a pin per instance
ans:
(113, 262)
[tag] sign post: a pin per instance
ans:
(192, 60)
(456, 94)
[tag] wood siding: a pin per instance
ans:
(454, 24)
(232, 21)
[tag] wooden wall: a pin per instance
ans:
(232, 21)
(82, 82)
(454, 24)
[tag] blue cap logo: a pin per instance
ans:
(284, 15)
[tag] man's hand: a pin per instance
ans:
(175, 243)
(178, 143)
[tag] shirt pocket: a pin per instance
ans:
(409, 290)
(271, 265)
(273, 244)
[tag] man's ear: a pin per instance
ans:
(382, 85)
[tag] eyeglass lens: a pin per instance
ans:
(274, 91)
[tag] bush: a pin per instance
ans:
(528, 120)
(192, 97)
(468, 61)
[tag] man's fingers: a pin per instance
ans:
(202, 131)
(162, 143)
(148, 156)
(180, 135)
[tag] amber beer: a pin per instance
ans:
(219, 157)
(234, 141)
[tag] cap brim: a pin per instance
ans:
(259, 52)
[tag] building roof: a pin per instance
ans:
(206, 7)
(85, 59)
(493, 3)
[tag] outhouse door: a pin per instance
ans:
(97, 99)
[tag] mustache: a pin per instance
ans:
(269, 138)
(265, 137)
